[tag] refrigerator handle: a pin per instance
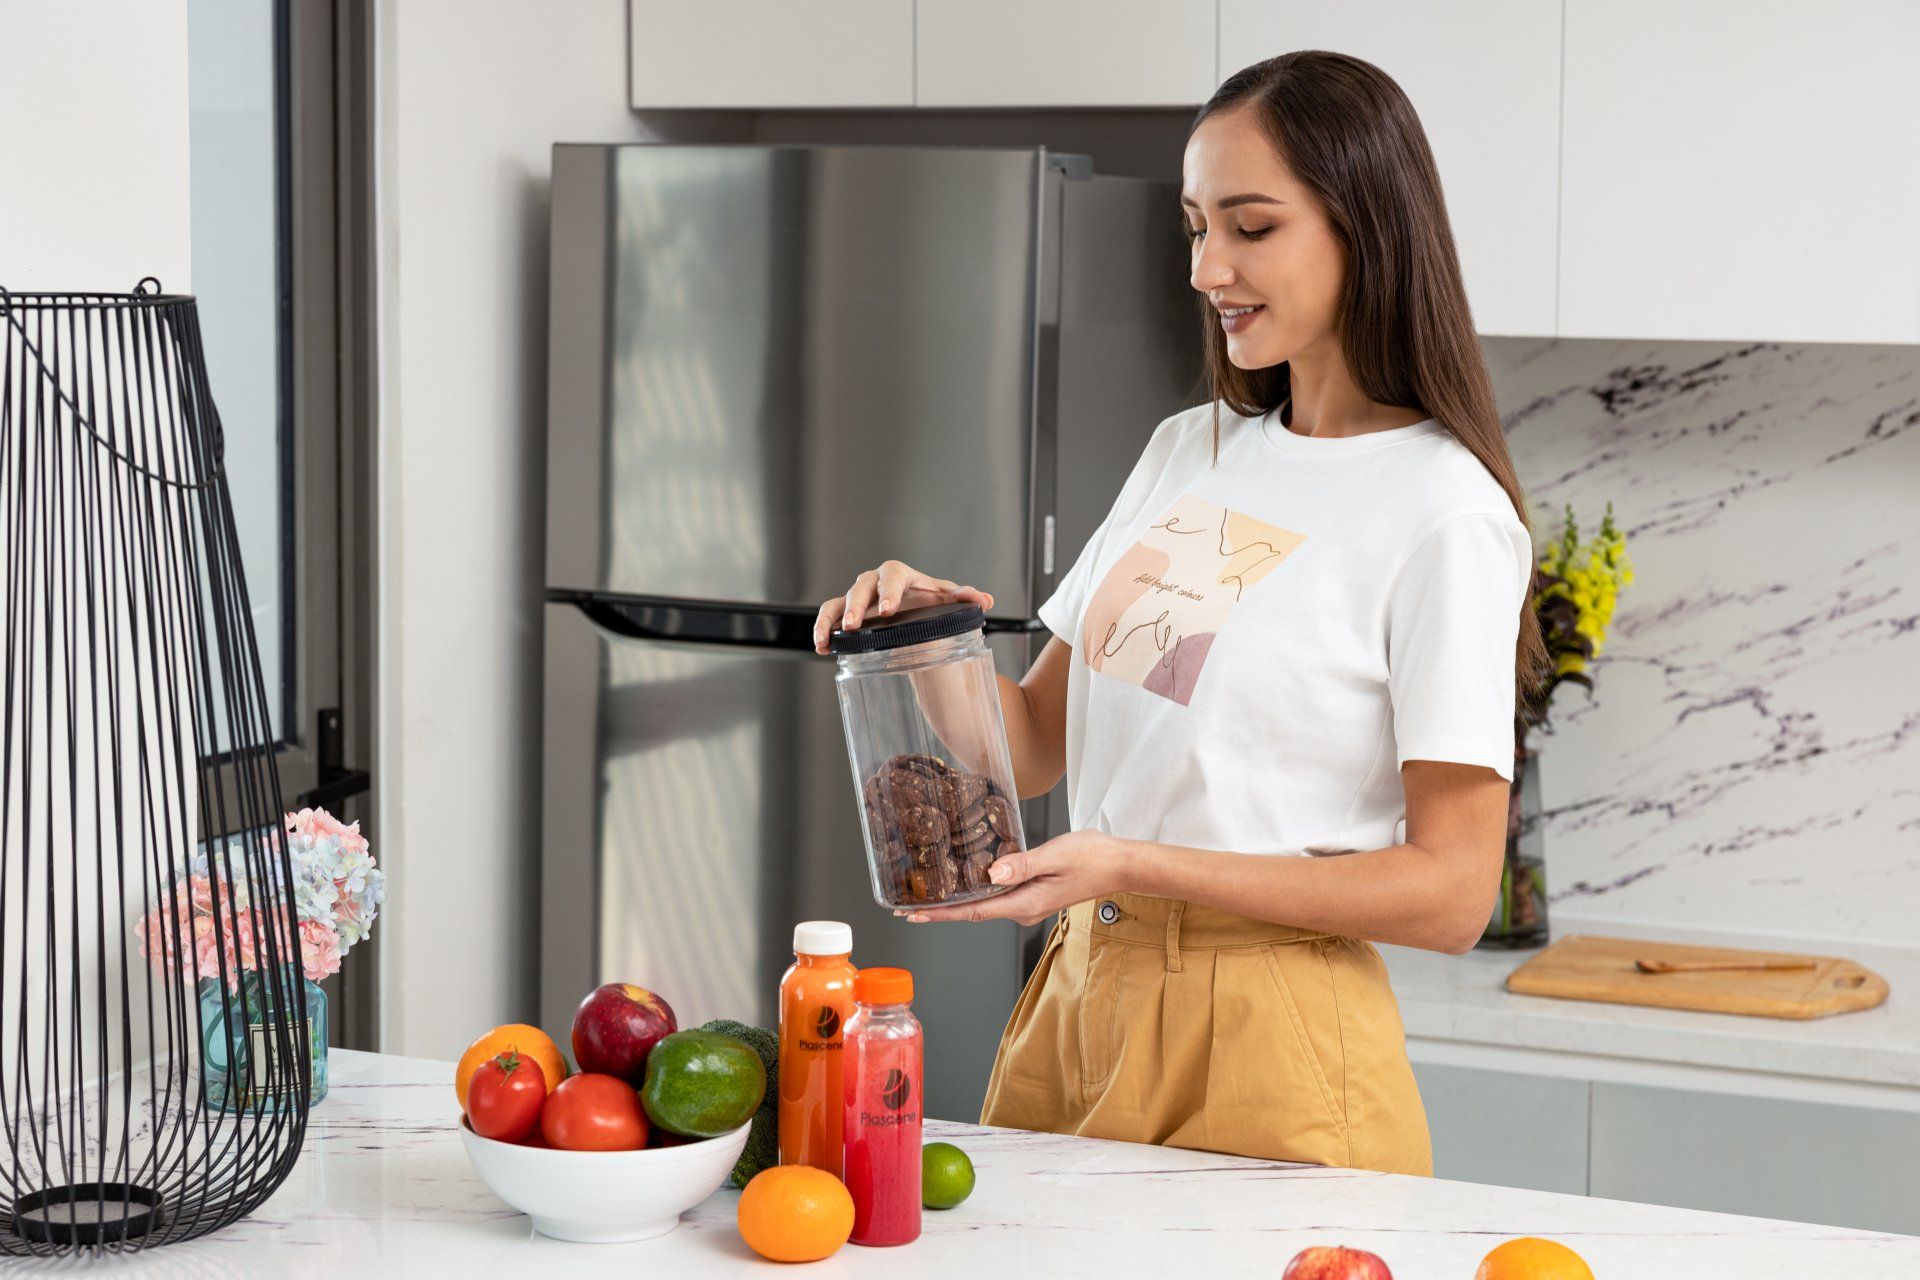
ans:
(756, 626)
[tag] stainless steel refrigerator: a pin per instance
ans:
(771, 367)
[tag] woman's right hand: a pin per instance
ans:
(884, 590)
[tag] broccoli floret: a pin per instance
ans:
(763, 1140)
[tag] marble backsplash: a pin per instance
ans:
(1750, 758)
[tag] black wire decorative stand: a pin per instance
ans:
(141, 862)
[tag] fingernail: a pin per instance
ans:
(917, 919)
(886, 606)
(999, 872)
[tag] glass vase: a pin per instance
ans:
(1519, 917)
(237, 1058)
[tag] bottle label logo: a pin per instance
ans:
(826, 1029)
(896, 1090)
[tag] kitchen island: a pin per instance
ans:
(383, 1188)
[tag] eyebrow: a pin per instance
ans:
(1250, 197)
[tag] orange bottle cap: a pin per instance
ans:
(883, 986)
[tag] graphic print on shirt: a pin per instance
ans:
(1155, 615)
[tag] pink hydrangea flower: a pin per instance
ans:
(338, 889)
(319, 950)
(318, 822)
(189, 930)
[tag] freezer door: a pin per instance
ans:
(697, 803)
(771, 367)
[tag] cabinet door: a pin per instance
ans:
(1766, 1157)
(1065, 53)
(1506, 1129)
(771, 53)
(1741, 170)
(1484, 76)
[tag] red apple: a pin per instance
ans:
(615, 1028)
(1336, 1263)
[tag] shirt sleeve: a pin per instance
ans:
(1453, 617)
(1067, 605)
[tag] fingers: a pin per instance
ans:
(826, 621)
(1030, 864)
(860, 598)
(881, 591)
(1010, 868)
(1023, 906)
(954, 591)
(891, 585)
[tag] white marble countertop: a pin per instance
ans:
(1464, 998)
(383, 1188)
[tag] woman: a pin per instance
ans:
(1282, 676)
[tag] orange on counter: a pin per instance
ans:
(795, 1213)
(530, 1041)
(1531, 1258)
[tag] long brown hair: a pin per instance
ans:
(1347, 132)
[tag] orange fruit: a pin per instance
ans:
(795, 1213)
(531, 1042)
(1531, 1258)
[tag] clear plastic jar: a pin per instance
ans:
(921, 708)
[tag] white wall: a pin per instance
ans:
(94, 176)
(471, 96)
(1747, 759)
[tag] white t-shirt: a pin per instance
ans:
(1260, 643)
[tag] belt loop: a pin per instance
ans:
(1173, 935)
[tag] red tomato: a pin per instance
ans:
(504, 1097)
(594, 1112)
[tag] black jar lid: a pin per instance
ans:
(909, 626)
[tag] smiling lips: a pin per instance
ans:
(1235, 319)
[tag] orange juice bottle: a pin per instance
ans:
(816, 998)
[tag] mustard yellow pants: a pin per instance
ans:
(1155, 1020)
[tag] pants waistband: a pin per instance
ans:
(1176, 924)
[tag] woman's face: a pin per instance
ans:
(1259, 239)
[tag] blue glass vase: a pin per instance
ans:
(239, 1034)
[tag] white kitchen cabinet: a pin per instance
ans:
(1484, 76)
(1766, 1157)
(765, 54)
(1064, 53)
(1506, 1128)
(1741, 169)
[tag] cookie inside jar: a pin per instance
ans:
(920, 702)
(936, 828)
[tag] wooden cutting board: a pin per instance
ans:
(1588, 967)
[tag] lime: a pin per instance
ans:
(946, 1175)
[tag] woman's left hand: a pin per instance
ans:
(1045, 879)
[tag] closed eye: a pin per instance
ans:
(1193, 233)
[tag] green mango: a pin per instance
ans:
(702, 1084)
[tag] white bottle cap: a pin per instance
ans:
(822, 938)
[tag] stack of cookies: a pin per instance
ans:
(935, 829)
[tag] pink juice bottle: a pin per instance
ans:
(880, 1064)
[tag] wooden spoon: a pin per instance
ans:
(1693, 966)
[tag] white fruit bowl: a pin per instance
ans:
(601, 1197)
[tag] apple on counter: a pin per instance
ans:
(1336, 1263)
(616, 1027)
